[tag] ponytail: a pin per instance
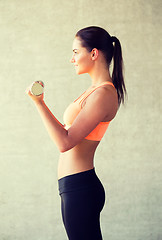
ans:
(117, 74)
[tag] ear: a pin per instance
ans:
(94, 54)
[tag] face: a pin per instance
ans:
(82, 59)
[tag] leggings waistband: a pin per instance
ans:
(78, 181)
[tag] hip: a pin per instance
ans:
(79, 181)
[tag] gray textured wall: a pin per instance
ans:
(36, 44)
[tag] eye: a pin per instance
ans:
(75, 51)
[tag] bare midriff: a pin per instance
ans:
(78, 159)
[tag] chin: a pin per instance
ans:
(80, 72)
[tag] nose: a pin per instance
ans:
(72, 59)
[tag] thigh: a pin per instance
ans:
(81, 213)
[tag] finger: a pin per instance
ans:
(28, 91)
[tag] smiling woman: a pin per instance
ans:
(85, 122)
(81, 58)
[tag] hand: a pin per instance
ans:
(36, 99)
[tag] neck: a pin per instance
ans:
(100, 73)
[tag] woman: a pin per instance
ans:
(86, 120)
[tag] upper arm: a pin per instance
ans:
(99, 106)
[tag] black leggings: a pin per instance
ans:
(82, 199)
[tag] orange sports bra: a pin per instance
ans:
(73, 110)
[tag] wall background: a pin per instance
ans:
(36, 44)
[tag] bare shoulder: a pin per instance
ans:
(104, 98)
(105, 94)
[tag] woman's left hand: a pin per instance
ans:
(36, 99)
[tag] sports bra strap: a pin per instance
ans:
(91, 91)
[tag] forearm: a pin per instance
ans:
(55, 129)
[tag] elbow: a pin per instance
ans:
(64, 148)
(66, 144)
